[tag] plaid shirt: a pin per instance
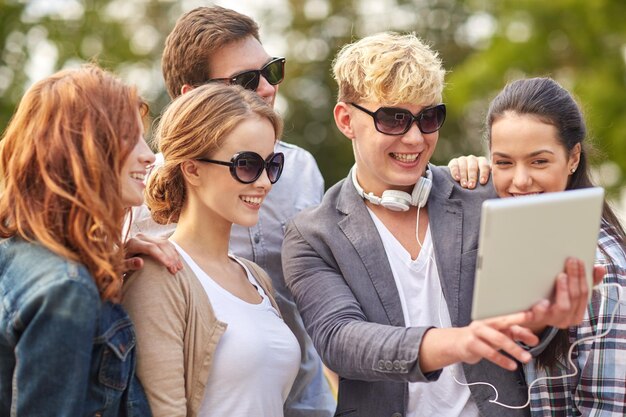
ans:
(599, 388)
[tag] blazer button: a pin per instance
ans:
(388, 365)
(396, 365)
(381, 365)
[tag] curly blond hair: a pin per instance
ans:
(389, 68)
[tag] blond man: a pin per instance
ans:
(382, 271)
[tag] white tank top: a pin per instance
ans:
(257, 358)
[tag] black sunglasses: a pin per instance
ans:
(273, 72)
(398, 121)
(246, 167)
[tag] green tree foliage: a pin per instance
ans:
(12, 59)
(484, 44)
(125, 36)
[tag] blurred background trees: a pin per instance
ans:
(484, 44)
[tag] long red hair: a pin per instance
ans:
(60, 164)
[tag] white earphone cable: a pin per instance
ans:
(573, 366)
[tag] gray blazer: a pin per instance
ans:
(337, 269)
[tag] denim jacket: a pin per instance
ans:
(63, 351)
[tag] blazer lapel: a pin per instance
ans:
(360, 230)
(446, 224)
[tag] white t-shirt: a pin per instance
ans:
(423, 305)
(257, 358)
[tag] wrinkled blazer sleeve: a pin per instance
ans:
(347, 342)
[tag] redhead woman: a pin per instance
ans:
(73, 159)
(537, 134)
(210, 339)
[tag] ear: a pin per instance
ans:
(343, 119)
(190, 173)
(574, 158)
(185, 88)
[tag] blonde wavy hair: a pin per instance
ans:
(195, 126)
(389, 68)
(60, 164)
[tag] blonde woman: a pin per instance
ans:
(72, 162)
(211, 340)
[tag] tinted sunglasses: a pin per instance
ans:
(398, 121)
(273, 72)
(246, 167)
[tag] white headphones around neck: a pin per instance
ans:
(398, 200)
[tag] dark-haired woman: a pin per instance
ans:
(536, 135)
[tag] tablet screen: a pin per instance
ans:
(524, 242)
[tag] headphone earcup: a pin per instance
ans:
(420, 193)
(396, 200)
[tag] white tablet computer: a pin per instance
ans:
(524, 242)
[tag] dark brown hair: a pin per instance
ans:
(195, 37)
(546, 100)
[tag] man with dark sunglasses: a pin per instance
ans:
(383, 269)
(215, 44)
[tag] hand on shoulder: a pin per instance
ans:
(159, 248)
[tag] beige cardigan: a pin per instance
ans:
(177, 334)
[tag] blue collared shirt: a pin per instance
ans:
(300, 186)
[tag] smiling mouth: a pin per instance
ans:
(138, 176)
(525, 194)
(252, 200)
(404, 157)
